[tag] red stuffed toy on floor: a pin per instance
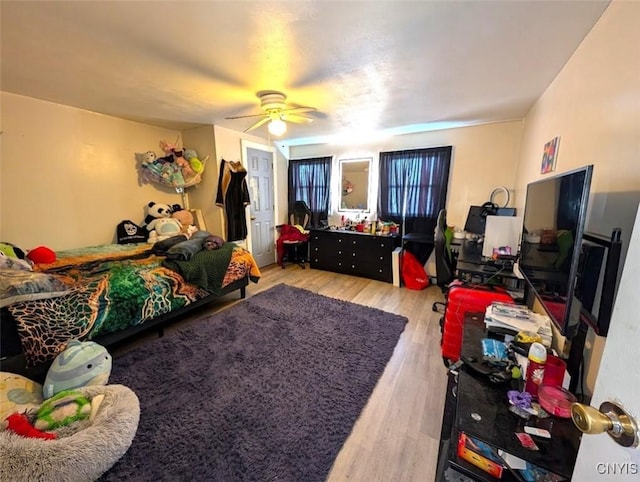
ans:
(19, 424)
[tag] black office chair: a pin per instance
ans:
(301, 214)
(445, 263)
(293, 245)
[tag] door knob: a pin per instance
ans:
(610, 418)
(253, 218)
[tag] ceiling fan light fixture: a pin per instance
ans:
(277, 127)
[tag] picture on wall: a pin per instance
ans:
(550, 156)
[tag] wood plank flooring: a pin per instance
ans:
(396, 437)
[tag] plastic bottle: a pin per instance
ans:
(535, 368)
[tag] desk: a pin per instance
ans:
(480, 409)
(472, 267)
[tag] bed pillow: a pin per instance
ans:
(19, 285)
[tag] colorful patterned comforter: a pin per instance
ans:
(113, 287)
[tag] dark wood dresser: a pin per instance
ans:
(354, 253)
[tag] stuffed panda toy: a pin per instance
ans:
(156, 211)
(159, 222)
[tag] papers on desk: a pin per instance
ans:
(518, 318)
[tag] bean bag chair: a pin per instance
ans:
(84, 450)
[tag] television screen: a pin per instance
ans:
(552, 229)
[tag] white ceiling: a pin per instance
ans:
(366, 66)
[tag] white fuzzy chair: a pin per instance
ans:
(82, 451)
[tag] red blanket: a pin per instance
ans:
(290, 234)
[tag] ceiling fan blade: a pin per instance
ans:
(244, 116)
(297, 118)
(299, 110)
(258, 124)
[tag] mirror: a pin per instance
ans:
(354, 184)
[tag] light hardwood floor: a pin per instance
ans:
(396, 436)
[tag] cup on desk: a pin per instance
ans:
(554, 370)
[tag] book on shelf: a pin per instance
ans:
(516, 318)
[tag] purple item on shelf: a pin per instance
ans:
(519, 399)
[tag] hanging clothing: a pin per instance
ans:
(233, 196)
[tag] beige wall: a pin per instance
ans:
(68, 176)
(81, 179)
(203, 195)
(594, 106)
(484, 157)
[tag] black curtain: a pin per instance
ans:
(413, 190)
(310, 181)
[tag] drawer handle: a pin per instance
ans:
(353, 265)
(353, 254)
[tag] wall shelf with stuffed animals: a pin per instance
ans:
(179, 168)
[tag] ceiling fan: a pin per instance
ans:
(277, 113)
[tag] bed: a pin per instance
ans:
(108, 294)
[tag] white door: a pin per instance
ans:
(259, 164)
(599, 457)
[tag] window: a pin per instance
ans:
(413, 187)
(310, 181)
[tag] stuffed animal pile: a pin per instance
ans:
(164, 221)
(178, 167)
(80, 364)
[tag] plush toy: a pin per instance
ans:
(212, 242)
(9, 262)
(196, 164)
(80, 364)
(187, 170)
(178, 158)
(20, 424)
(62, 409)
(168, 148)
(163, 228)
(160, 170)
(42, 254)
(157, 210)
(146, 157)
(186, 221)
(12, 250)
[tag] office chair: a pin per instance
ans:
(445, 263)
(293, 243)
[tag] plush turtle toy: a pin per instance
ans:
(62, 409)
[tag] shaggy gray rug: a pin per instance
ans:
(266, 390)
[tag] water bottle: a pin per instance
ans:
(535, 368)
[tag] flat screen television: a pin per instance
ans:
(552, 231)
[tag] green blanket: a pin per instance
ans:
(205, 269)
